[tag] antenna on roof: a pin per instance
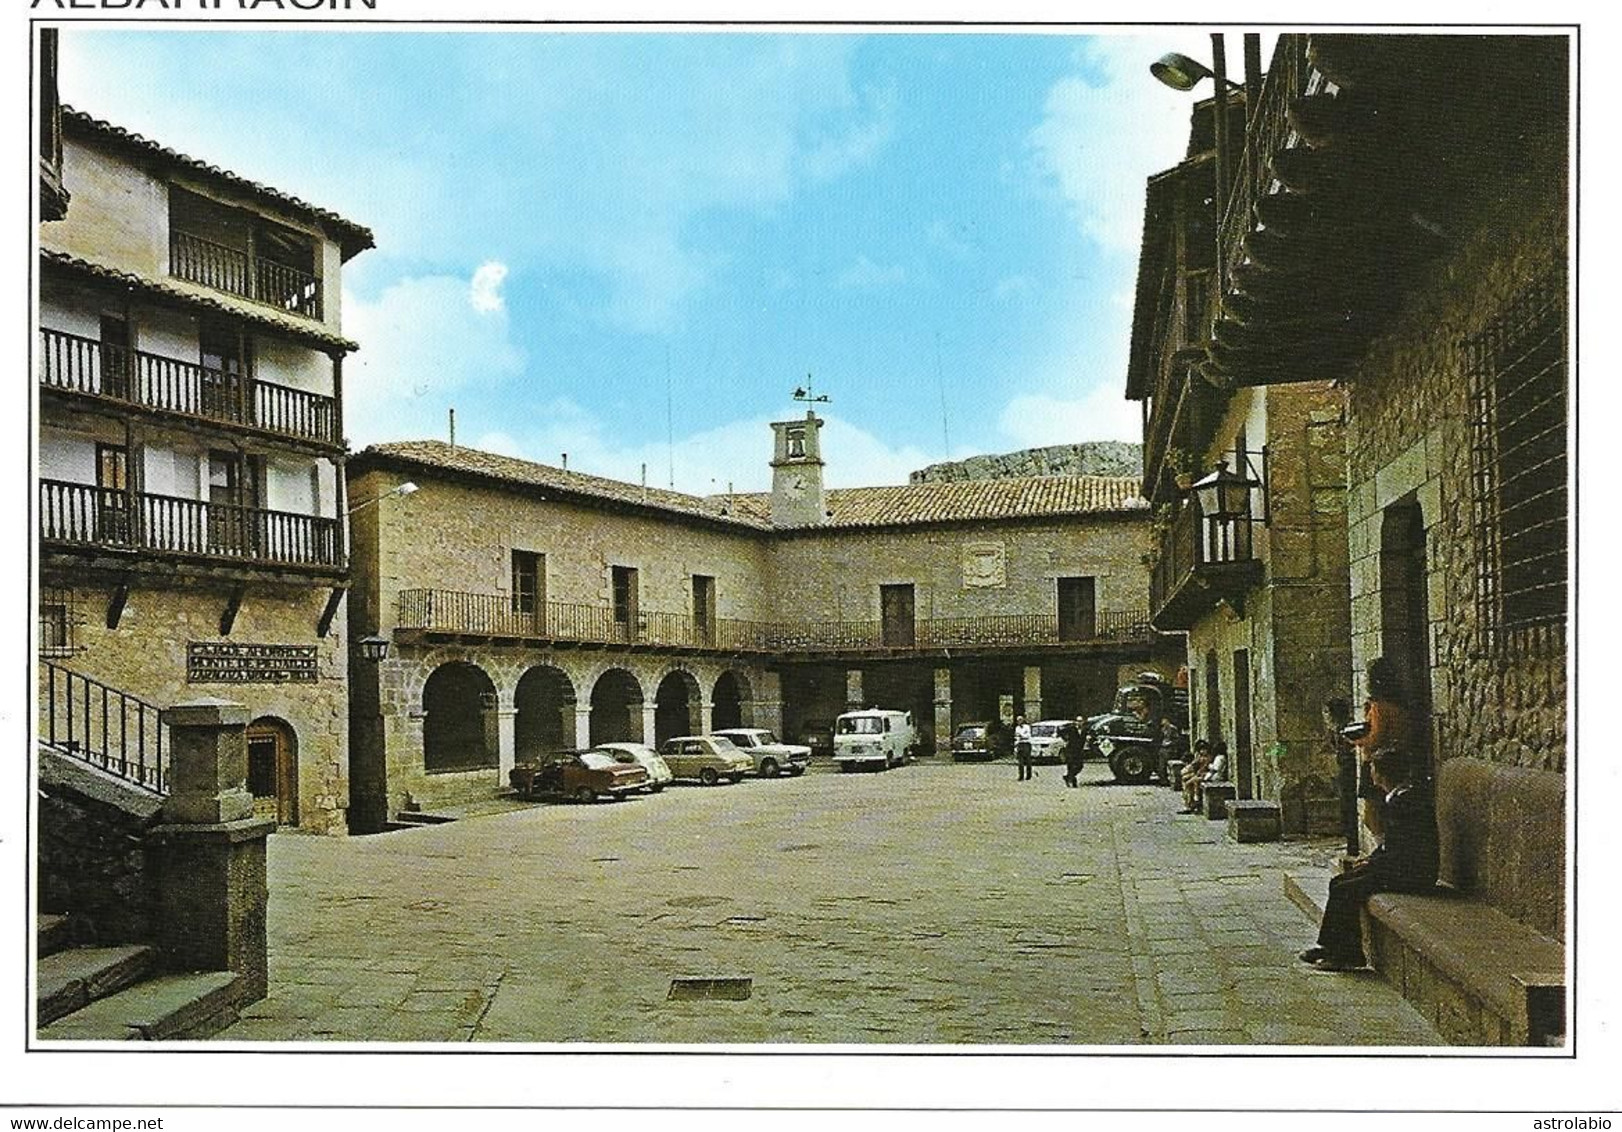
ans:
(453, 427)
(940, 380)
(805, 393)
(670, 421)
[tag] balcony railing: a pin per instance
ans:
(1267, 132)
(86, 515)
(102, 726)
(493, 615)
(83, 365)
(1200, 561)
(197, 259)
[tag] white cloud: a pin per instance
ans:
(865, 275)
(1037, 420)
(1099, 167)
(858, 144)
(485, 291)
(422, 341)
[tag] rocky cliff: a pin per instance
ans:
(1097, 458)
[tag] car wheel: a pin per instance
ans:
(1134, 767)
(617, 797)
(708, 776)
(769, 768)
(795, 772)
(656, 787)
(734, 778)
(585, 795)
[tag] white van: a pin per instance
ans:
(874, 737)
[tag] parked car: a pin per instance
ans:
(819, 737)
(707, 758)
(969, 743)
(644, 756)
(873, 738)
(582, 776)
(1046, 746)
(770, 758)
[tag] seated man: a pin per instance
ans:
(1193, 773)
(1406, 861)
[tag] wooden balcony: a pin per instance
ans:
(138, 524)
(428, 613)
(72, 364)
(1201, 562)
(238, 272)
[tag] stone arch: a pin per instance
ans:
(677, 706)
(733, 700)
(544, 705)
(459, 718)
(616, 707)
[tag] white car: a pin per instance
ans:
(770, 757)
(645, 757)
(1046, 746)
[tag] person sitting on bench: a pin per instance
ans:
(1193, 772)
(1407, 860)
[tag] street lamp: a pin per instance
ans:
(407, 488)
(1180, 72)
(373, 648)
(1224, 495)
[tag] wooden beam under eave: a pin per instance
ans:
(329, 611)
(233, 605)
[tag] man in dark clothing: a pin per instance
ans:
(1074, 735)
(1406, 861)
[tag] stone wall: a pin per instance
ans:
(1504, 709)
(146, 657)
(1096, 458)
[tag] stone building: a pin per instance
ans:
(1261, 590)
(190, 494)
(1404, 234)
(531, 608)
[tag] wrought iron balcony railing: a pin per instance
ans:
(76, 364)
(494, 615)
(197, 259)
(86, 515)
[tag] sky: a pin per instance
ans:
(631, 246)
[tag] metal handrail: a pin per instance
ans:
(104, 727)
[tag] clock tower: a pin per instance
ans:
(798, 499)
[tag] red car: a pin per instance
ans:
(582, 776)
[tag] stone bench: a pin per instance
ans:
(1174, 774)
(1215, 796)
(1482, 978)
(1254, 820)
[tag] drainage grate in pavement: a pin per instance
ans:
(735, 990)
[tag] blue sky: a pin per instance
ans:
(631, 247)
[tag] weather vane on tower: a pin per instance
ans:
(805, 393)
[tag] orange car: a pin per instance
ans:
(581, 776)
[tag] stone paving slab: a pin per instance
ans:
(934, 903)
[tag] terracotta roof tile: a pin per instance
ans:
(906, 504)
(352, 237)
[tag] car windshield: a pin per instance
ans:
(765, 737)
(597, 760)
(973, 732)
(1044, 730)
(724, 743)
(861, 725)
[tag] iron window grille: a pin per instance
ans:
(1517, 373)
(58, 617)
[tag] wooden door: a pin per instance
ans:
(896, 611)
(273, 771)
(1078, 609)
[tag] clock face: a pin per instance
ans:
(796, 485)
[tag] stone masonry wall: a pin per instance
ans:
(146, 657)
(1510, 711)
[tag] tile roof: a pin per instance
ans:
(352, 237)
(194, 294)
(907, 504)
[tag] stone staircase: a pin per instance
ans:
(118, 993)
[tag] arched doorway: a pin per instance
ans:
(1404, 616)
(458, 704)
(675, 706)
(733, 701)
(273, 769)
(544, 717)
(616, 708)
